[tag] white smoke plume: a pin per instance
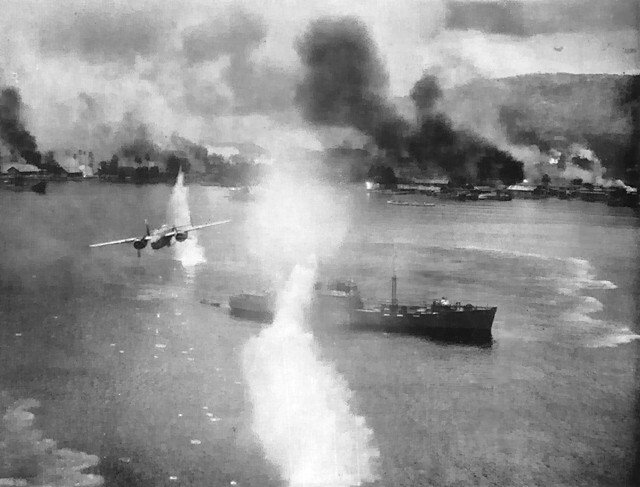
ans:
(593, 172)
(301, 406)
(301, 409)
(480, 116)
(597, 173)
(295, 218)
(190, 253)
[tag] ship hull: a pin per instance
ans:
(454, 322)
(323, 307)
(253, 307)
(253, 315)
(39, 187)
(328, 302)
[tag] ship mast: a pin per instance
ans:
(394, 283)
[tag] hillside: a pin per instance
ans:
(549, 111)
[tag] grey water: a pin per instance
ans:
(139, 381)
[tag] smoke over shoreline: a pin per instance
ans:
(345, 84)
(546, 119)
(229, 72)
(14, 137)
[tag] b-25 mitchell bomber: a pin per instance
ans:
(160, 237)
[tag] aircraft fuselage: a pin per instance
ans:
(158, 243)
(160, 239)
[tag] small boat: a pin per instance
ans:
(40, 187)
(241, 194)
(19, 185)
(496, 196)
(254, 306)
(409, 203)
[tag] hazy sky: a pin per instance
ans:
(216, 71)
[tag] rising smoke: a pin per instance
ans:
(13, 134)
(139, 140)
(302, 408)
(345, 84)
(256, 87)
(546, 119)
(215, 72)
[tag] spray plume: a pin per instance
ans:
(189, 252)
(301, 405)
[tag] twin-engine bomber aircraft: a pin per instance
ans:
(161, 237)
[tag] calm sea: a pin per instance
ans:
(139, 381)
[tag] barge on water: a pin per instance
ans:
(20, 185)
(253, 306)
(334, 295)
(440, 318)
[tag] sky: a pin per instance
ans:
(90, 71)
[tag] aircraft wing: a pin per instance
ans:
(204, 225)
(115, 242)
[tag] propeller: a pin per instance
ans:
(146, 224)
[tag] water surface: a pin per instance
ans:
(129, 366)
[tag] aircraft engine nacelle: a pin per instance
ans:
(182, 236)
(139, 244)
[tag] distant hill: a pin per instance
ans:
(550, 111)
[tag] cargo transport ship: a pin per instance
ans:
(440, 318)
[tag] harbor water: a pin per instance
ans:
(125, 365)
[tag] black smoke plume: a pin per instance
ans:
(464, 156)
(140, 145)
(425, 94)
(12, 131)
(345, 83)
